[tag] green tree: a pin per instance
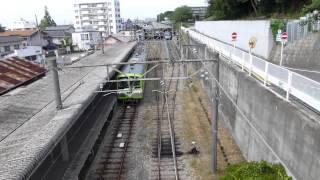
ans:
(46, 20)
(167, 14)
(315, 5)
(182, 14)
(67, 41)
(234, 9)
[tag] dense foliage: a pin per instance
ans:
(46, 20)
(255, 171)
(315, 5)
(180, 14)
(234, 9)
(163, 16)
(67, 41)
(277, 24)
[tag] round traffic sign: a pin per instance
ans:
(284, 36)
(234, 36)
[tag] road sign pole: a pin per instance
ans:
(284, 38)
(250, 53)
(234, 37)
(281, 55)
(234, 48)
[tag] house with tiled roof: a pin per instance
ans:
(9, 43)
(32, 37)
(60, 32)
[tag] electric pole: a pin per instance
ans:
(215, 117)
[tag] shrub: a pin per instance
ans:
(255, 171)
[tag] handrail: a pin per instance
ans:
(294, 84)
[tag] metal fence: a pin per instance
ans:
(303, 88)
(298, 29)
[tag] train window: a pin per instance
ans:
(123, 84)
(135, 84)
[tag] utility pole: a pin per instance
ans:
(56, 84)
(215, 113)
(102, 43)
(215, 118)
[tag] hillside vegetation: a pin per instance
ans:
(246, 9)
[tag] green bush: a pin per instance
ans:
(277, 24)
(255, 171)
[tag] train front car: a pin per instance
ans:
(129, 89)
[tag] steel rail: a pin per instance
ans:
(124, 152)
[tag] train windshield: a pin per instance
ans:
(125, 84)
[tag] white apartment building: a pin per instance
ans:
(98, 15)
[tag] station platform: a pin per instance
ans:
(30, 125)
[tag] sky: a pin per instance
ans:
(62, 10)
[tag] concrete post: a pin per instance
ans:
(215, 118)
(56, 85)
(108, 73)
(64, 149)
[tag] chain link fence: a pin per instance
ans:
(300, 28)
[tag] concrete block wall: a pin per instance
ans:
(303, 53)
(245, 29)
(266, 126)
(292, 133)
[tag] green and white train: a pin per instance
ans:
(133, 90)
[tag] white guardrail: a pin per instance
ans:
(301, 87)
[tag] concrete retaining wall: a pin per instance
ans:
(292, 133)
(222, 31)
(268, 127)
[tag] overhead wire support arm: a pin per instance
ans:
(146, 62)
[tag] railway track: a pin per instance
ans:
(112, 164)
(167, 144)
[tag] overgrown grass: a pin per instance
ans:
(255, 171)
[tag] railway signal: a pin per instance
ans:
(284, 38)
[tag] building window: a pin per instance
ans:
(77, 22)
(77, 17)
(111, 27)
(16, 46)
(6, 48)
(110, 15)
(76, 11)
(84, 37)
